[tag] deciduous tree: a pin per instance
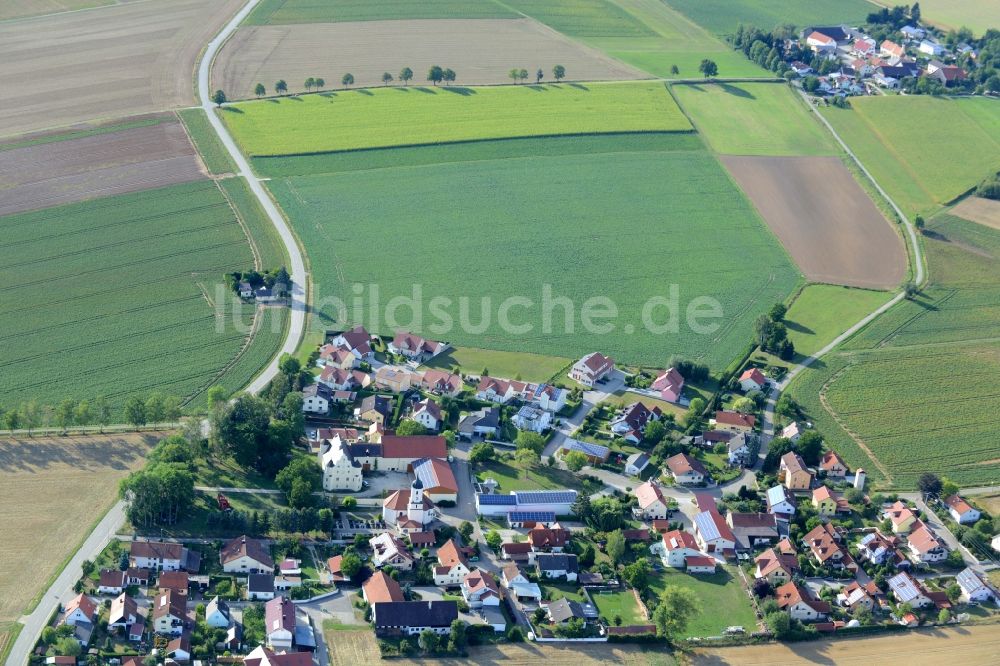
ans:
(405, 75)
(259, 90)
(559, 72)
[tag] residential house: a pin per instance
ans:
(912, 32)
(415, 347)
(260, 586)
(124, 612)
(800, 604)
(792, 432)
(752, 379)
(80, 614)
(156, 555)
(549, 398)
(137, 576)
(381, 588)
(592, 369)
(246, 555)
(908, 590)
(261, 656)
(335, 566)
(338, 379)
(824, 543)
(394, 379)
(338, 356)
(925, 546)
(829, 503)
(179, 649)
(340, 470)
(518, 585)
(409, 618)
(452, 566)
(517, 552)
(961, 511)
(440, 382)
(855, 595)
(738, 449)
(557, 565)
(631, 424)
(169, 613)
(409, 510)
(793, 472)
(832, 464)
(500, 391)
(752, 530)
(931, 48)
(481, 423)
(863, 48)
(428, 414)
(686, 470)
(548, 539)
(801, 68)
(316, 398)
(387, 549)
(974, 588)
(595, 453)
(651, 502)
(879, 549)
(479, 588)
(217, 613)
(669, 384)
(111, 581)
(532, 419)
(563, 610)
(375, 409)
(437, 478)
(636, 463)
(776, 566)
(780, 502)
(713, 532)
(890, 49)
(734, 421)
(901, 516)
(675, 547)
(820, 43)
(358, 341)
(699, 564)
(279, 623)
(178, 581)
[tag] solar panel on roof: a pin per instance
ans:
(536, 516)
(589, 449)
(496, 500)
(545, 496)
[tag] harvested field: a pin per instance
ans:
(349, 648)
(21, 8)
(823, 218)
(107, 63)
(982, 211)
(969, 645)
(63, 171)
(481, 52)
(531, 654)
(52, 491)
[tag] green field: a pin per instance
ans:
(563, 224)
(276, 12)
(925, 151)
(754, 119)
(723, 16)
(621, 604)
(266, 241)
(204, 138)
(978, 15)
(350, 120)
(914, 387)
(120, 290)
(511, 365)
(723, 601)
(821, 312)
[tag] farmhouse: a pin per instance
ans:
(799, 603)
(437, 478)
(891, 49)
(670, 385)
(793, 472)
(820, 43)
(734, 421)
(381, 588)
(592, 369)
(632, 423)
(407, 618)
(481, 423)
(961, 511)
(246, 555)
(686, 470)
(675, 547)
(833, 465)
(595, 453)
(452, 566)
(636, 463)
(532, 419)
(752, 379)
(414, 347)
(389, 550)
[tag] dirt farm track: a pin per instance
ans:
(826, 222)
(108, 62)
(960, 646)
(482, 51)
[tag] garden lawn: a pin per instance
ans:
(821, 312)
(621, 604)
(723, 601)
(869, 399)
(925, 151)
(397, 116)
(130, 288)
(277, 12)
(569, 591)
(511, 476)
(754, 119)
(509, 365)
(722, 17)
(584, 224)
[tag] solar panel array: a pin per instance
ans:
(496, 500)
(587, 448)
(545, 496)
(531, 516)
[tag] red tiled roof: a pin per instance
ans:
(382, 588)
(449, 555)
(682, 464)
(244, 545)
(735, 419)
(414, 446)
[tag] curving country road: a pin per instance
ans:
(297, 270)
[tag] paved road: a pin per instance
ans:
(297, 270)
(61, 589)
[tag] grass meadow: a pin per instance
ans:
(912, 392)
(925, 151)
(399, 116)
(721, 596)
(821, 312)
(583, 223)
(722, 17)
(753, 119)
(529, 367)
(619, 604)
(121, 290)
(277, 12)
(206, 141)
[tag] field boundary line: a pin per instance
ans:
(856, 438)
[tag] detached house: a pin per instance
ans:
(675, 548)
(793, 472)
(925, 546)
(316, 398)
(734, 421)
(829, 503)
(441, 383)
(879, 549)
(800, 604)
(548, 397)
(387, 549)
(414, 347)
(499, 391)
(961, 511)
(686, 470)
(592, 369)
(752, 530)
(112, 581)
(394, 379)
(974, 588)
(824, 543)
(595, 453)
(557, 565)
(636, 463)
(452, 566)
(479, 589)
(780, 502)
(833, 465)
(357, 341)
(631, 425)
(713, 533)
(381, 588)
(518, 585)
(752, 379)
(169, 613)
(908, 590)
(157, 555)
(777, 566)
(670, 385)
(217, 614)
(901, 517)
(481, 423)
(532, 419)
(246, 555)
(279, 623)
(890, 49)
(375, 409)
(337, 356)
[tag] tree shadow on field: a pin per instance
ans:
(274, 100)
(425, 89)
(538, 88)
(795, 326)
(579, 86)
(459, 90)
(327, 94)
(296, 98)
(233, 109)
(365, 91)
(736, 92)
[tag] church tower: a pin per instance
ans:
(415, 509)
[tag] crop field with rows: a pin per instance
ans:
(120, 295)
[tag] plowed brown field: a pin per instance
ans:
(977, 209)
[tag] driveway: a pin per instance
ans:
(337, 608)
(589, 400)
